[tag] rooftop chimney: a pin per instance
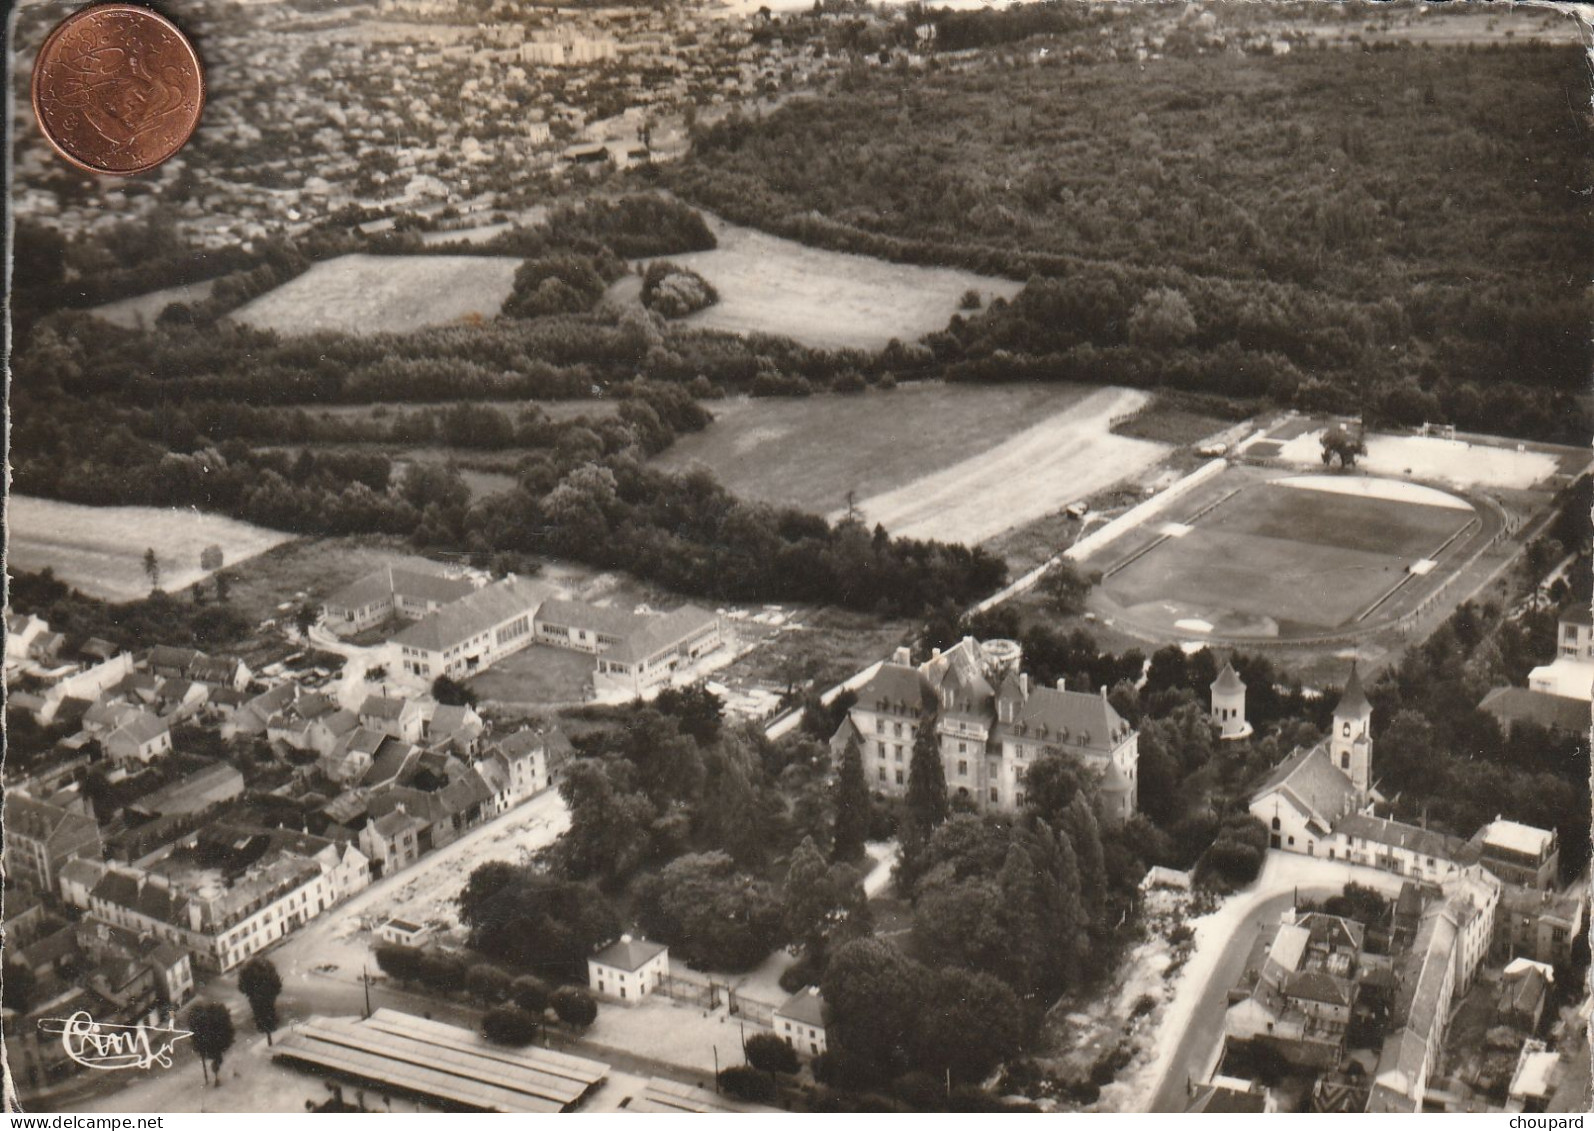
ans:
(1023, 683)
(1062, 683)
(902, 656)
(625, 938)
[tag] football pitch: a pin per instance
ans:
(1290, 556)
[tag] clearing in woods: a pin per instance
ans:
(956, 462)
(377, 294)
(828, 299)
(100, 550)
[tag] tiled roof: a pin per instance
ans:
(806, 1006)
(1228, 681)
(1075, 717)
(391, 757)
(377, 706)
(41, 821)
(1316, 785)
(595, 618)
(1524, 705)
(1353, 700)
(628, 954)
(410, 581)
(1314, 985)
(893, 687)
(651, 635)
(1396, 834)
(477, 613)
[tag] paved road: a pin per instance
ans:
(1194, 1025)
(1196, 1053)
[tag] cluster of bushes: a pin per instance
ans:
(516, 1006)
(561, 284)
(675, 291)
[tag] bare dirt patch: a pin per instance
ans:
(1066, 457)
(811, 452)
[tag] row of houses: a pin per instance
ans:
(459, 629)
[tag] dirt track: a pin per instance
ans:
(1066, 457)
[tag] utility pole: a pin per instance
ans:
(365, 977)
(716, 1069)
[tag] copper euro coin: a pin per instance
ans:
(117, 89)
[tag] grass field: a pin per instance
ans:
(100, 550)
(537, 677)
(924, 459)
(142, 310)
(821, 298)
(1275, 559)
(374, 294)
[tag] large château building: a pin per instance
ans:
(992, 723)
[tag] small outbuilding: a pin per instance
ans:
(629, 968)
(801, 1021)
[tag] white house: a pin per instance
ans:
(629, 968)
(801, 1021)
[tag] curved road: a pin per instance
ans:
(1193, 1024)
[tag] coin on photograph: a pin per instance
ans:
(117, 89)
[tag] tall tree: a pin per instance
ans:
(1084, 834)
(926, 803)
(152, 568)
(852, 805)
(211, 1024)
(260, 983)
(823, 903)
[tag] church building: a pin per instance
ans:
(1311, 790)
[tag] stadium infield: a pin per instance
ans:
(1287, 557)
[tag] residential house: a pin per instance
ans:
(41, 837)
(401, 718)
(455, 729)
(1538, 924)
(229, 892)
(351, 757)
(802, 1020)
(392, 842)
(1519, 854)
(141, 738)
(22, 629)
(629, 968)
(1524, 990)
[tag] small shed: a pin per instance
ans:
(403, 932)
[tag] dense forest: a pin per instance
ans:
(1371, 230)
